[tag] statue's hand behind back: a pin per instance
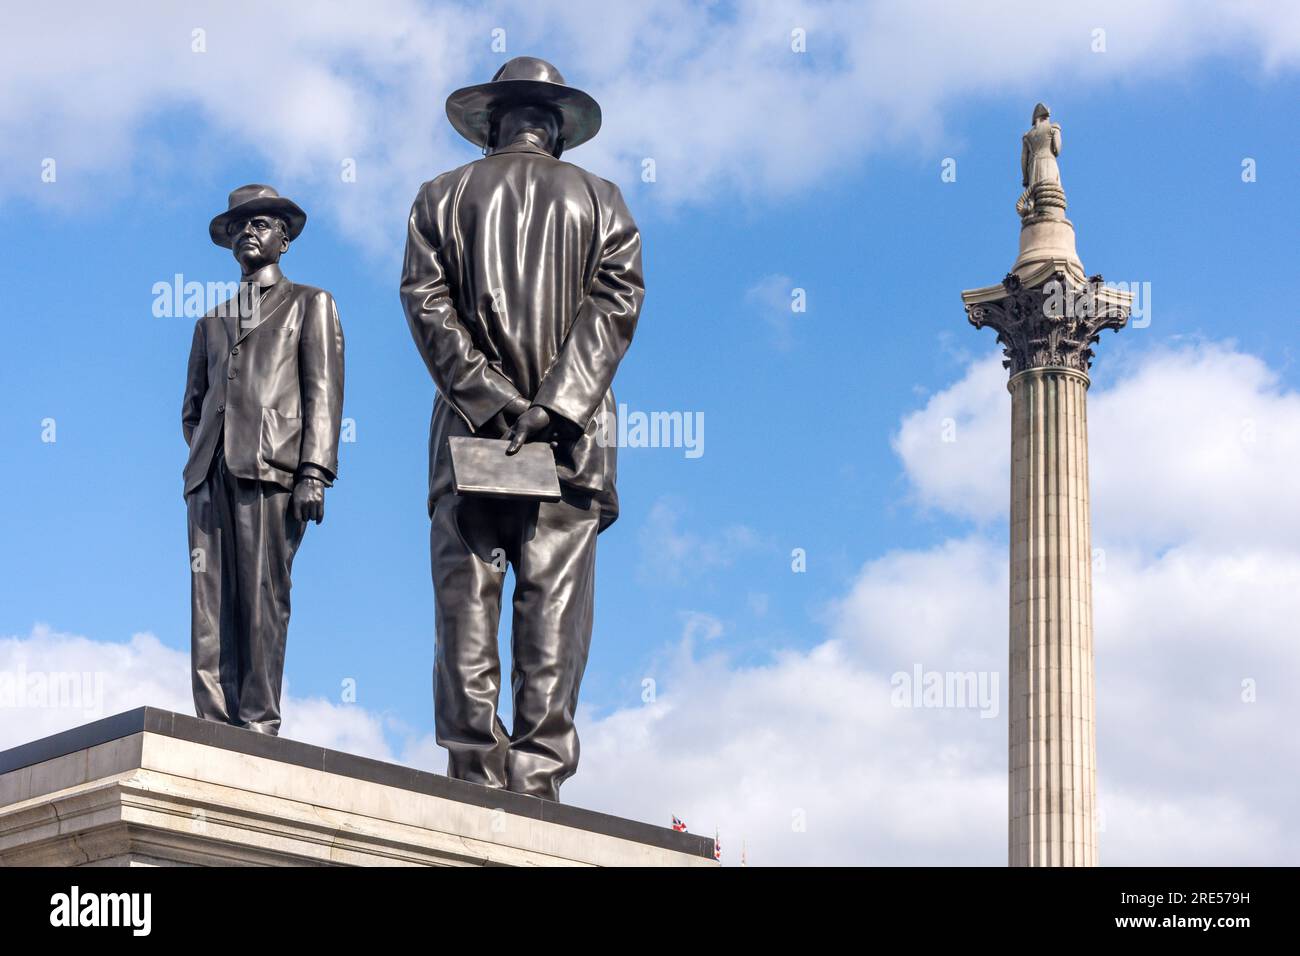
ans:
(532, 425)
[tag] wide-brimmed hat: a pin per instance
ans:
(525, 79)
(250, 200)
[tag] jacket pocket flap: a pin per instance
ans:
(281, 440)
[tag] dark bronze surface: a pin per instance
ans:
(481, 466)
(261, 414)
(522, 287)
(524, 79)
(552, 548)
(276, 403)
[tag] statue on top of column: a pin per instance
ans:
(1043, 197)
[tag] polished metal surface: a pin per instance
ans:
(522, 287)
(261, 415)
(552, 548)
(272, 395)
(482, 466)
(248, 201)
(239, 601)
(522, 283)
(524, 79)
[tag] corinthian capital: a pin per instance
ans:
(1051, 324)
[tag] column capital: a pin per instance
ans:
(1050, 322)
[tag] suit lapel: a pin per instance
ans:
(230, 319)
(269, 304)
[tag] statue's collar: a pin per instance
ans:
(523, 143)
(265, 277)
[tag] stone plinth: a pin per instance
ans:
(150, 787)
(1046, 247)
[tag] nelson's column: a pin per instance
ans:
(1047, 315)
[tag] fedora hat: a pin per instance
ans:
(525, 79)
(250, 200)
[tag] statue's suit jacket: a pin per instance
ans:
(522, 277)
(273, 395)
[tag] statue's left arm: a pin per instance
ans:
(1056, 139)
(320, 375)
(583, 371)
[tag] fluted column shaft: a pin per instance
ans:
(1052, 793)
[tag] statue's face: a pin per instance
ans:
(257, 242)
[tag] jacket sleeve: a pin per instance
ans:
(196, 383)
(320, 380)
(475, 389)
(583, 371)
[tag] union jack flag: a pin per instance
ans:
(717, 847)
(678, 825)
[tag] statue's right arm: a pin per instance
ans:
(196, 383)
(583, 371)
(1024, 161)
(475, 389)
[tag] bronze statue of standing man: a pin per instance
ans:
(261, 415)
(522, 286)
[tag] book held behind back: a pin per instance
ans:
(480, 466)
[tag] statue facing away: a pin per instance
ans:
(1043, 197)
(522, 287)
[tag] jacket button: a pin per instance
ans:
(235, 350)
(221, 409)
(233, 373)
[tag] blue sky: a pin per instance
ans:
(831, 184)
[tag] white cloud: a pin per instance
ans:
(961, 625)
(724, 106)
(291, 89)
(771, 298)
(813, 739)
(715, 95)
(1180, 637)
(98, 678)
(1193, 830)
(57, 681)
(805, 758)
(1197, 442)
(698, 625)
(671, 553)
(956, 450)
